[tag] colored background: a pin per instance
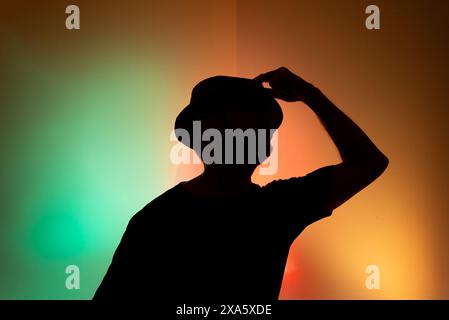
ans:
(86, 117)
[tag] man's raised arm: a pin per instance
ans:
(362, 162)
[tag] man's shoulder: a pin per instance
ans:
(161, 202)
(281, 184)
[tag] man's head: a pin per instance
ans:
(229, 121)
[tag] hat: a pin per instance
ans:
(218, 102)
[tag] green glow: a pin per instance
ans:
(87, 145)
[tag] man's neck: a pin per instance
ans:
(220, 182)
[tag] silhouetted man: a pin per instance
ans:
(219, 237)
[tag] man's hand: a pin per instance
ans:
(286, 85)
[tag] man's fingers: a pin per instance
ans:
(265, 77)
(270, 91)
(278, 94)
(259, 79)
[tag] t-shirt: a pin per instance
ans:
(184, 247)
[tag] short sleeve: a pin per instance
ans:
(302, 200)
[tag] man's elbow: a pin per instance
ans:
(378, 165)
